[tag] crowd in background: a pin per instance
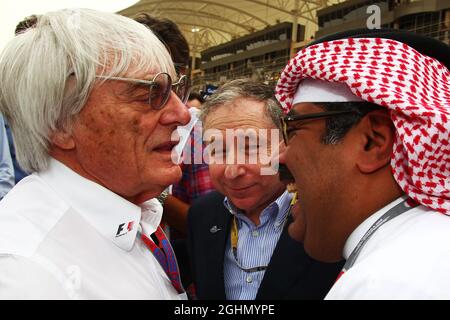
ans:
(363, 123)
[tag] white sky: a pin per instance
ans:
(13, 11)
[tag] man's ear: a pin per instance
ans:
(377, 140)
(63, 140)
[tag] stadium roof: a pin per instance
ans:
(207, 23)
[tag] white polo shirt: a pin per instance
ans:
(406, 258)
(65, 237)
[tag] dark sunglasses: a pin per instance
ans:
(160, 88)
(286, 121)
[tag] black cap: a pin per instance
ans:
(428, 46)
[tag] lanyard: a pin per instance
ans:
(234, 238)
(234, 241)
(395, 211)
(163, 252)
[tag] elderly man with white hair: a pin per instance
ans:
(92, 99)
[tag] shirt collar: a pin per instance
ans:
(281, 205)
(361, 230)
(114, 217)
(152, 211)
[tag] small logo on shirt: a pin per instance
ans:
(122, 230)
(214, 229)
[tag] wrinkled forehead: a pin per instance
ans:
(241, 112)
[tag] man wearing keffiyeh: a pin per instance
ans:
(367, 136)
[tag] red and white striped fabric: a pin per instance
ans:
(414, 87)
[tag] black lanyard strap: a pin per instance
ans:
(395, 211)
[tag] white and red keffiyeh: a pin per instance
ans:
(414, 87)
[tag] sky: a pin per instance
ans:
(13, 11)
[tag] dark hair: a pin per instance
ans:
(25, 24)
(195, 95)
(169, 33)
(338, 126)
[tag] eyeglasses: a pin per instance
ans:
(180, 67)
(285, 121)
(160, 88)
(234, 241)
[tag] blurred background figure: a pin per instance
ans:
(196, 180)
(195, 100)
(25, 24)
(6, 164)
(169, 33)
(19, 173)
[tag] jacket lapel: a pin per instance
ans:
(216, 238)
(288, 262)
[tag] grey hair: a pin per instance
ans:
(337, 127)
(244, 88)
(48, 72)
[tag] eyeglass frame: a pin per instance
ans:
(233, 244)
(152, 82)
(312, 116)
(179, 66)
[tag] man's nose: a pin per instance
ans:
(232, 171)
(175, 112)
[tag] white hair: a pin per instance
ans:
(48, 72)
